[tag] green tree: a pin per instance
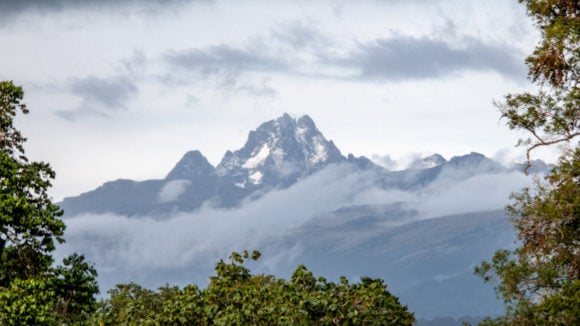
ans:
(550, 115)
(27, 302)
(32, 290)
(29, 222)
(540, 280)
(235, 296)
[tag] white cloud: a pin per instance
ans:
(172, 190)
(478, 193)
(169, 250)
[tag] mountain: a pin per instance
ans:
(474, 163)
(427, 262)
(188, 185)
(291, 193)
(192, 166)
(276, 155)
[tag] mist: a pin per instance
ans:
(184, 247)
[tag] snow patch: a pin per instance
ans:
(241, 184)
(301, 134)
(256, 177)
(257, 159)
(320, 152)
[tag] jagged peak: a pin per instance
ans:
(284, 120)
(307, 121)
(285, 117)
(193, 155)
(192, 164)
(288, 120)
(302, 129)
(280, 145)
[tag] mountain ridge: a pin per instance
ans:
(276, 155)
(291, 193)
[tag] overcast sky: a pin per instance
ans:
(122, 89)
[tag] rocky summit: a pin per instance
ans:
(276, 155)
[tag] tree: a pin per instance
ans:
(540, 280)
(32, 290)
(29, 223)
(551, 116)
(235, 296)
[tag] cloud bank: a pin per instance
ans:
(404, 57)
(301, 49)
(184, 247)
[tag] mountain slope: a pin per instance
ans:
(276, 155)
(428, 263)
(188, 185)
(290, 193)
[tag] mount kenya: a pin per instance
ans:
(290, 193)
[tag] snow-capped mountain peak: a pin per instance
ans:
(276, 155)
(280, 151)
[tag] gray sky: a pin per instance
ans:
(122, 89)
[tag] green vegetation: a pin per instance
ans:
(540, 280)
(236, 297)
(32, 290)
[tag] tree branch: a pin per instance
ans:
(542, 142)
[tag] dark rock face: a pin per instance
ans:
(278, 154)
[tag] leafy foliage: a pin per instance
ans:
(540, 280)
(32, 290)
(553, 114)
(234, 296)
(27, 302)
(29, 222)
